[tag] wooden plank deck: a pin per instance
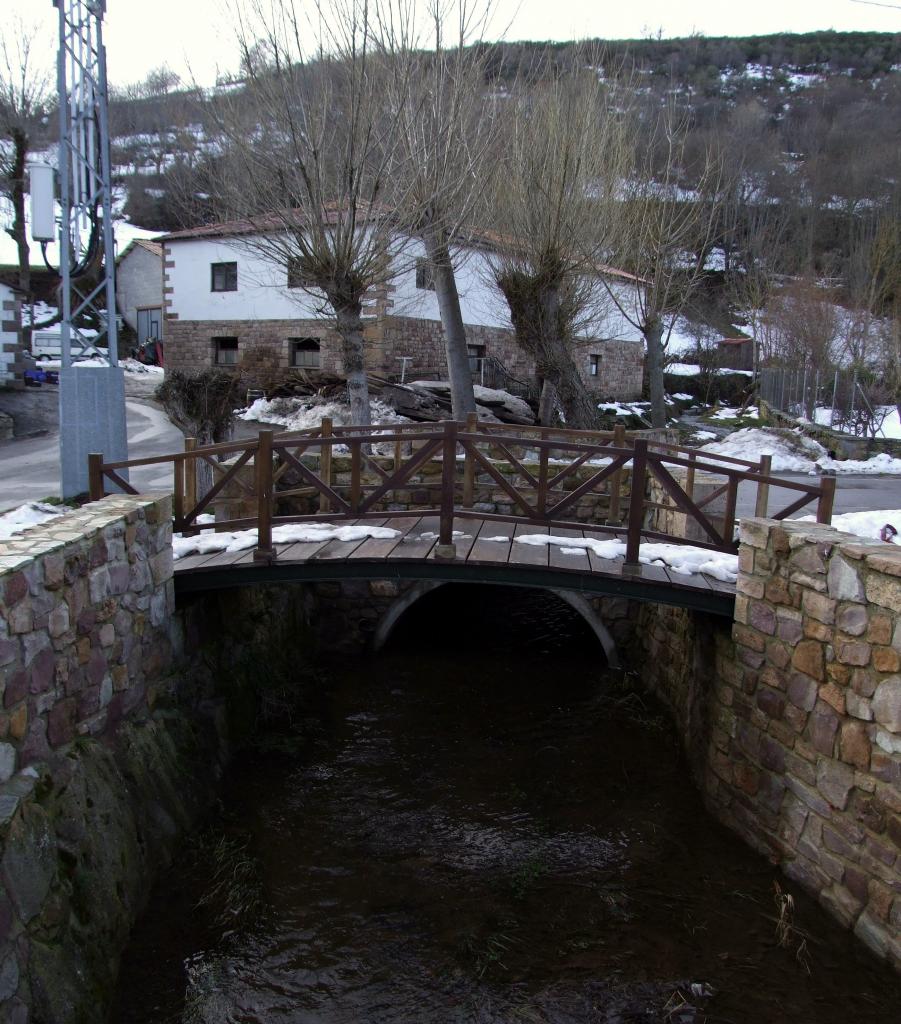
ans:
(485, 552)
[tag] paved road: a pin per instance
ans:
(29, 467)
(852, 494)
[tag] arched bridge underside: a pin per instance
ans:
(488, 559)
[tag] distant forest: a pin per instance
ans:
(699, 60)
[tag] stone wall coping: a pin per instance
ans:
(851, 545)
(77, 524)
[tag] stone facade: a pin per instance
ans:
(264, 351)
(793, 718)
(11, 364)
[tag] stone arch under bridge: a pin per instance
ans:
(585, 608)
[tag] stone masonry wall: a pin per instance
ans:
(264, 350)
(796, 731)
(90, 791)
(117, 715)
(85, 603)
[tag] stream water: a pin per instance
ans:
(482, 825)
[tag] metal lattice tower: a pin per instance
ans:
(91, 398)
(86, 231)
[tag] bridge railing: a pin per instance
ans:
(543, 473)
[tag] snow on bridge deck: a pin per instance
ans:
(485, 553)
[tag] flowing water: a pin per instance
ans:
(482, 825)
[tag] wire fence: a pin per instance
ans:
(832, 398)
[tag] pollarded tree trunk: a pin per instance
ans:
(462, 397)
(580, 409)
(18, 229)
(349, 324)
(559, 367)
(653, 336)
(547, 404)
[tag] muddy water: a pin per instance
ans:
(481, 825)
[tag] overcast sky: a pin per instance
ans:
(142, 34)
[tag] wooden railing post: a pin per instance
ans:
(614, 515)
(729, 513)
(446, 549)
(189, 479)
(356, 473)
(178, 494)
(636, 503)
(541, 498)
(325, 463)
(827, 499)
(95, 476)
(469, 463)
(690, 476)
(263, 466)
(763, 488)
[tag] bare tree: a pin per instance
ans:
(24, 95)
(885, 267)
(444, 133)
(552, 204)
(805, 325)
(669, 218)
(759, 231)
(307, 151)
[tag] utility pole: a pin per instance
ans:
(91, 398)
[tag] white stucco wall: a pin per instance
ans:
(262, 292)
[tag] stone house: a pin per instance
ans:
(227, 305)
(139, 288)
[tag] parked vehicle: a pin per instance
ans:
(47, 345)
(36, 375)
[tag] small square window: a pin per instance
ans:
(476, 355)
(425, 275)
(305, 353)
(225, 351)
(594, 365)
(224, 277)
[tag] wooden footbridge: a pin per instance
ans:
(456, 497)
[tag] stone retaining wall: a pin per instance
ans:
(795, 729)
(114, 729)
(85, 608)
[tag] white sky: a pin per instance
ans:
(142, 34)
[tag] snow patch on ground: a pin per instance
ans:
(683, 559)
(304, 533)
(20, 519)
(130, 366)
(794, 453)
(728, 413)
(870, 524)
(307, 413)
(693, 370)
(890, 427)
